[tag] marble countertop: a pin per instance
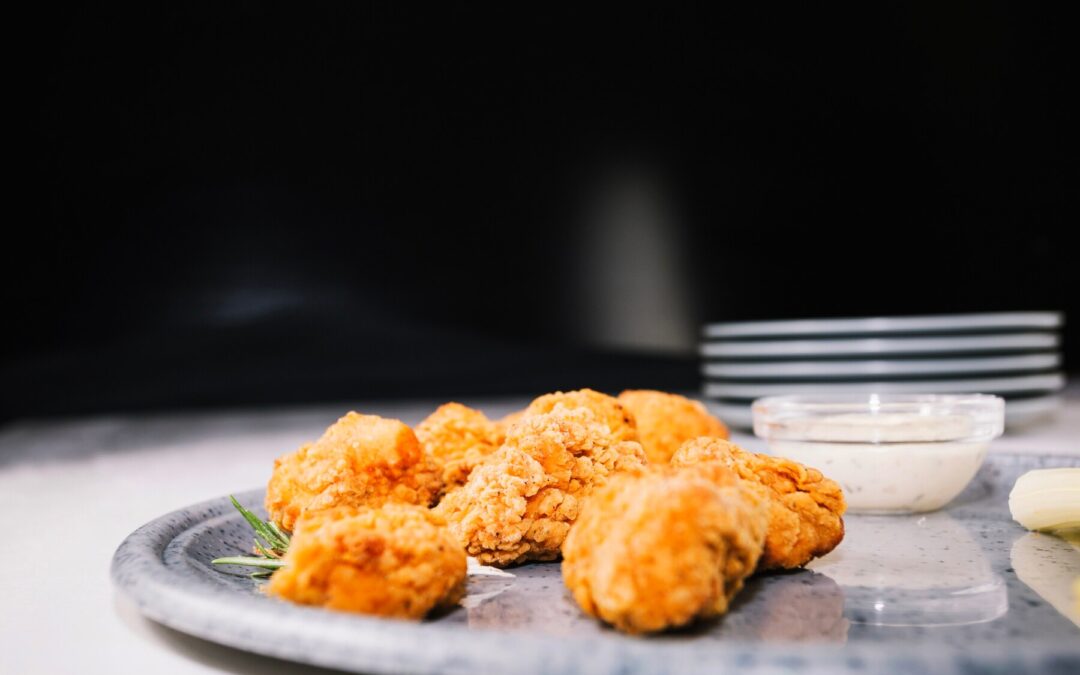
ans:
(77, 487)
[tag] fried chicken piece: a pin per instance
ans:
(397, 560)
(664, 547)
(805, 510)
(458, 438)
(665, 421)
(519, 503)
(504, 423)
(359, 460)
(607, 409)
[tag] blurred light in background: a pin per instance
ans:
(632, 269)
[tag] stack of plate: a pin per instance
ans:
(1014, 355)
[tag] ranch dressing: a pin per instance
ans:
(887, 463)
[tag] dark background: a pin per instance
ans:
(235, 205)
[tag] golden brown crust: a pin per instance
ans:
(805, 516)
(607, 409)
(359, 460)
(503, 424)
(519, 504)
(397, 560)
(665, 421)
(457, 438)
(661, 548)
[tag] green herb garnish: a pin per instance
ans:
(268, 551)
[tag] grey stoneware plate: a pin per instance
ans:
(961, 590)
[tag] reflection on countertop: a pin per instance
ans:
(1049, 566)
(917, 570)
(801, 606)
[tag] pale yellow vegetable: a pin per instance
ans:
(1047, 500)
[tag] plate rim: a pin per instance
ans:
(1048, 320)
(1038, 361)
(880, 346)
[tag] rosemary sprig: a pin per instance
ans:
(269, 551)
(274, 537)
(250, 561)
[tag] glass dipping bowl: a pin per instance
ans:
(891, 453)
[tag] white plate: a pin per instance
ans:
(1051, 382)
(899, 324)
(723, 369)
(1017, 413)
(981, 343)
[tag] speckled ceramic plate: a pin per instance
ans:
(955, 591)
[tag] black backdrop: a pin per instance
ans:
(233, 205)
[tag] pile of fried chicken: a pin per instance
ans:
(658, 519)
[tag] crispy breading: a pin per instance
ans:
(607, 409)
(665, 421)
(805, 515)
(664, 547)
(397, 560)
(359, 460)
(519, 503)
(504, 423)
(457, 438)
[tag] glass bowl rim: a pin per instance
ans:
(866, 400)
(772, 415)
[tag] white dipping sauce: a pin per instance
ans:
(893, 463)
